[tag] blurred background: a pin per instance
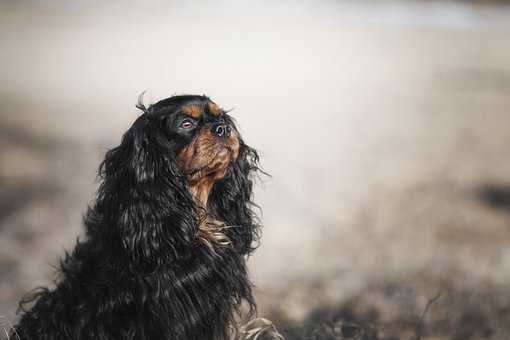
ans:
(385, 126)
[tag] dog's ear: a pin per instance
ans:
(143, 205)
(135, 158)
(231, 199)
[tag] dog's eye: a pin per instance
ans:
(187, 124)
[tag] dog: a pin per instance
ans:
(167, 237)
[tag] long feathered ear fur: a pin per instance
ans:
(142, 204)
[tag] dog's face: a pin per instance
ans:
(211, 141)
(205, 142)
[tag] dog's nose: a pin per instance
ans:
(221, 130)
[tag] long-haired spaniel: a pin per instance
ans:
(164, 254)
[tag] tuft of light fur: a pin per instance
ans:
(256, 328)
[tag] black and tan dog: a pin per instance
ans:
(166, 239)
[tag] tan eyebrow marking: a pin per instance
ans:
(214, 109)
(192, 110)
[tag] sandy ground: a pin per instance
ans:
(386, 130)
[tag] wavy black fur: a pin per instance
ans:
(140, 272)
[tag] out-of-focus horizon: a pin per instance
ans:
(385, 126)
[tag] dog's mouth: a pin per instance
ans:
(202, 178)
(218, 163)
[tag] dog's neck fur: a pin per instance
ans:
(201, 190)
(210, 229)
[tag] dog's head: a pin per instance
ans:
(181, 159)
(203, 138)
